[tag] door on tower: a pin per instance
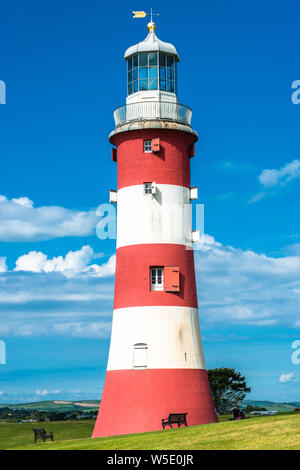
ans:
(140, 356)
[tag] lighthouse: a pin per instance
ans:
(156, 364)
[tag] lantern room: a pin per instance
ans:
(151, 70)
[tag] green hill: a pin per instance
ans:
(56, 405)
(272, 432)
(271, 405)
(81, 405)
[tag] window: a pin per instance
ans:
(157, 279)
(150, 188)
(151, 71)
(140, 356)
(147, 146)
(165, 278)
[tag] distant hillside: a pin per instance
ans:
(271, 405)
(56, 405)
(65, 406)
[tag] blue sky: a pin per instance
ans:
(64, 71)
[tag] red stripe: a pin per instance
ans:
(132, 282)
(171, 165)
(136, 401)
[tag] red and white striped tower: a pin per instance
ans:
(156, 364)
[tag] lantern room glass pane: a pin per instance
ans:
(153, 58)
(135, 74)
(143, 73)
(143, 59)
(153, 84)
(162, 59)
(135, 60)
(143, 85)
(130, 63)
(162, 73)
(153, 72)
(170, 86)
(162, 85)
(170, 60)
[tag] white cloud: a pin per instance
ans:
(74, 262)
(21, 221)
(243, 287)
(22, 201)
(60, 296)
(105, 270)
(285, 378)
(83, 330)
(33, 261)
(270, 179)
(71, 296)
(47, 392)
(1, 392)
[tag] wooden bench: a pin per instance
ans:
(174, 418)
(42, 434)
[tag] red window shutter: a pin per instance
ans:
(171, 277)
(114, 154)
(155, 145)
(192, 150)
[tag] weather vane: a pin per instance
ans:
(142, 14)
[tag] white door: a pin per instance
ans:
(140, 356)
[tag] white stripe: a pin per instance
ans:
(171, 335)
(165, 217)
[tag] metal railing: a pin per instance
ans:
(153, 110)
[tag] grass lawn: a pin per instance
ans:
(271, 432)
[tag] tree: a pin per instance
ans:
(250, 408)
(228, 387)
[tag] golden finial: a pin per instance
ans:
(151, 27)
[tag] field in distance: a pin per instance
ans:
(69, 406)
(56, 405)
(272, 432)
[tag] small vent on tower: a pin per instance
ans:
(192, 150)
(113, 196)
(150, 188)
(194, 193)
(195, 236)
(114, 154)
